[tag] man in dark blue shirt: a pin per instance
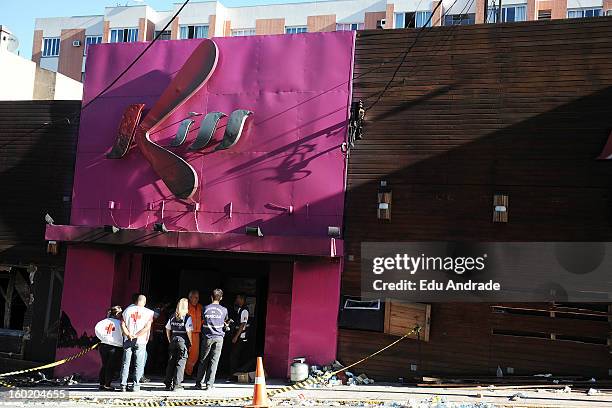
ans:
(214, 326)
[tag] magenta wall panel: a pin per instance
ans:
(298, 87)
(88, 287)
(128, 268)
(278, 320)
(314, 310)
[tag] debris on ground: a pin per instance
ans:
(40, 379)
(517, 396)
(341, 378)
(567, 389)
(431, 402)
(592, 391)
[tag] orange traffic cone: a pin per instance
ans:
(260, 396)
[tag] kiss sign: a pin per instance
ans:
(178, 175)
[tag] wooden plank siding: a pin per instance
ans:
(517, 109)
(37, 155)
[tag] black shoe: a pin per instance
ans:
(168, 386)
(123, 388)
(197, 386)
(109, 388)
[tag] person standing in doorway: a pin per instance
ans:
(213, 330)
(179, 332)
(195, 311)
(111, 346)
(136, 326)
(239, 337)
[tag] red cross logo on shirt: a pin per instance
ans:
(135, 316)
(110, 328)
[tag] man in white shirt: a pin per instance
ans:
(135, 326)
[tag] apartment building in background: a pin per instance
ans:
(60, 44)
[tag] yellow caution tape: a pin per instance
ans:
(203, 401)
(271, 393)
(51, 365)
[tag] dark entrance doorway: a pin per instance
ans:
(167, 278)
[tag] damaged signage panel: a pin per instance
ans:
(204, 153)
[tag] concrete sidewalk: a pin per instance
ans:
(379, 395)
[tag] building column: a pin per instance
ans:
(436, 19)
(480, 10)
(142, 29)
(278, 319)
(321, 23)
(212, 20)
(71, 57)
(531, 10)
(390, 16)
(37, 46)
(174, 29)
(371, 19)
(87, 293)
(559, 9)
(607, 5)
(106, 31)
(150, 31)
(315, 297)
(265, 26)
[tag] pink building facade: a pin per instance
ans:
(285, 175)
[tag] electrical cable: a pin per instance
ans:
(415, 41)
(447, 35)
(159, 33)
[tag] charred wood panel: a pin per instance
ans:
(518, 109)
(37, 154)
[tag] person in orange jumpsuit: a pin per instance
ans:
(195, 311)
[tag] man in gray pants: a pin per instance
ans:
(214, 325)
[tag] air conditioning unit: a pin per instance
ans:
(383, 22)
(76, 43)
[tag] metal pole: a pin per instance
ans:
(499, 12)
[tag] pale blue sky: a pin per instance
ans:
(19, 15)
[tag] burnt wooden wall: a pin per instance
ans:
(37, 153)
(520, 109)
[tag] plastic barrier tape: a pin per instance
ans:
(202, 401)
(271, 393)
(51, 365)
